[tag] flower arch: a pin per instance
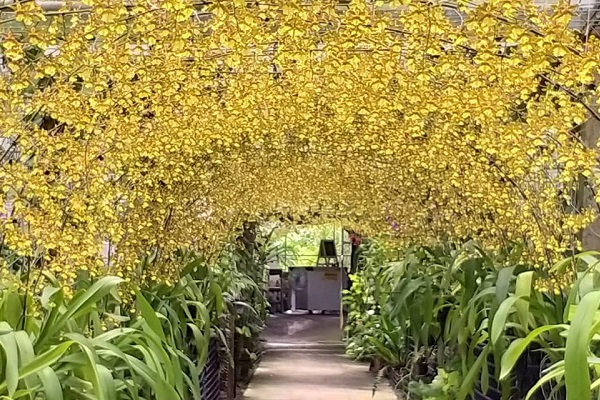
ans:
(149, 125)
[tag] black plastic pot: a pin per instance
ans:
(210, 379)
(526, 374)
(394, 377)
(492, 394)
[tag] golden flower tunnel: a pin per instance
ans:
(146, 126)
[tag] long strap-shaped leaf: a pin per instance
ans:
(577, 374)
(89, 297)
(518, 346)
(469, 381)
(42, 361)
(9, 344)
(499, 321)
(51, 384)
(149, 314)
(557, 374)
(523, 289)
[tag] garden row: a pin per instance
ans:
(457, 322)
(108, 340)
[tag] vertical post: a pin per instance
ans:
(227, 360)
(590, 132)
(293, 300)
(341, 272)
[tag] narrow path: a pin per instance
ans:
(305, 361)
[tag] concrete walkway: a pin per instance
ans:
(305, 360)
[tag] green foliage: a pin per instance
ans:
(66, 354)
(453, 308)
(300, 246)
(94, 345)
(363, 331)
(443, 387)
(569, 341)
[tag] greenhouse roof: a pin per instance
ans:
(585, 20)
(587, 15)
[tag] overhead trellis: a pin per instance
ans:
(149, 125)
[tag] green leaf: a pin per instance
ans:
(505, 276)
(18, 394)
(107, 382)
(523, 291)
(384, 352)
(518, 346)
(468, 383)
(92, 367)
(45, 359)
(216, 290)
(246, 331)
(143, 370)
(556, 374)
(499, 321)
(150, 317)
(426, 309)
(116, 334)
(47, 294)
(485, 378)
(42, 361)
(194, 384)
(13, 309)
(86, 298)
(26, 354)
(9, 344)
(194, 265)
(201, 344)
(161, 388)
(50, 319)
(589, 257)
(577, 375)
(51, 384)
